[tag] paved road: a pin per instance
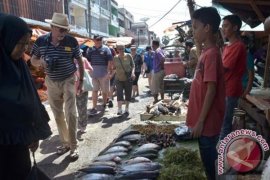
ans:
(101, 131)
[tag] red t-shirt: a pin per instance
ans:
(209, 69)
(234, 61)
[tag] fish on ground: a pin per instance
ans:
(136, 160)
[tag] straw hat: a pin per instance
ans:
(59, 20)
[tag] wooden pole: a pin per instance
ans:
(266, 68)
(190, 4)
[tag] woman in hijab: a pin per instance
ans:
(23, 118)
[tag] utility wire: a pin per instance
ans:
(165, 14)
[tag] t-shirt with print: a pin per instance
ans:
(99, 58)
(209, 69)
(127, 63)
(60, 58)
(234, 59)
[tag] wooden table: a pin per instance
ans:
(257, 106)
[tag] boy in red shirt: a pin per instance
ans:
(234, 62)
(207, 96)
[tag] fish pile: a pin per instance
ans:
(163, 140)
(141, 166)
(171, 108)
(109, 164)
(156, 128)
(171, 76)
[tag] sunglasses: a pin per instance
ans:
(98, 39)
(61, 30)
(120, 49)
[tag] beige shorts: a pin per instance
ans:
(157, 82)
(102, 84)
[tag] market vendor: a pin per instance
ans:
(191, 59)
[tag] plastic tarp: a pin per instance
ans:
(82, 41)
(112, 41)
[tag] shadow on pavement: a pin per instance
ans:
(49, 145)
(52, 169)
(92, 119)
(108, 121)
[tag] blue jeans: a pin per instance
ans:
(208, 152)
(231, 103)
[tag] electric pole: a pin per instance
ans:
(89, 18)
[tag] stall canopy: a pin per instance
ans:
(41, 28)
(112, 41)
(252, 12)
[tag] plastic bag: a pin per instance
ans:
(183, 132)
(87, 82)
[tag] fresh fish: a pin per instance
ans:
(108, 157)
(146, 166)
(137, 175)
(99, 169)
(146, 155)
(97, 176)
(104, 163)
(128, 132)
(122, 143)
(119, 154)
(116, 149)
(145, 151)
(131, 138)
(136, 160)
(149, 146)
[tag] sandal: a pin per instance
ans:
(74, 155)
(62, 150)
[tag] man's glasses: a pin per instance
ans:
(61, 30)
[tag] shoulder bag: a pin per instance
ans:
(128, 74)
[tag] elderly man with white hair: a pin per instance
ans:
(56, 52)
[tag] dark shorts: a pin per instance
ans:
(135, 81)
(112, 81)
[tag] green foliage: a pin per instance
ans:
(181, 164)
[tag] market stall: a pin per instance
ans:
(257, 103)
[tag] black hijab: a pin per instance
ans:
(21, 111)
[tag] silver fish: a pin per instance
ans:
(137, 175)
(122, 143)
(104, 163)
(128, 132)
(116, 149)
(97, 176)
(149, 146)
(131, 138)
(136, 160)
(146, 166)
(108, 157)
(99, 169)
(146, 155)
(145, 151)
(119, 154)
